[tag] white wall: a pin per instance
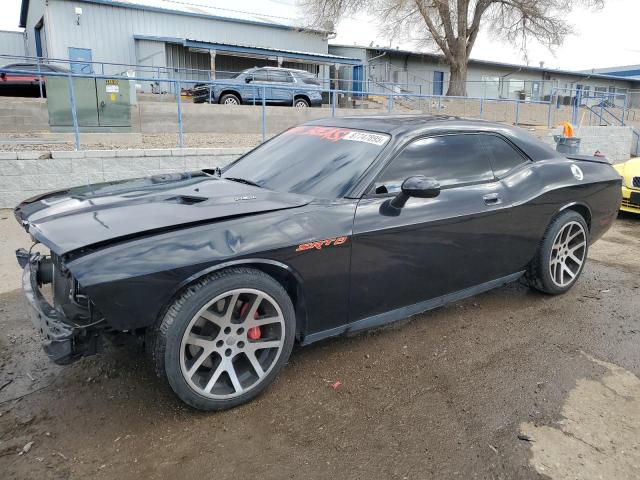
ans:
(26, 174)
(11, 43)
(109, 30)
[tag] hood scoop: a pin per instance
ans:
(185, 200)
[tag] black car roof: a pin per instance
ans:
(404, 127)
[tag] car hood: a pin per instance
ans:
(228, 81)
(71, 219)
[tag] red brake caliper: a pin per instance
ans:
(253, 333)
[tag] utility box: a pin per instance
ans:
(102, 105)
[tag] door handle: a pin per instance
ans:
(492, 199)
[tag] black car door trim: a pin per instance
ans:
(404, 312)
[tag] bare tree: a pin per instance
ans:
(453, 25)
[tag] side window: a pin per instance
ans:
(276, 76)
(502, 155)
(450, 159)
(260, 76)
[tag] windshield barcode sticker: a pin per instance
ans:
(373, 138)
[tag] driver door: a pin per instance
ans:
(432, 246)
(257, 87)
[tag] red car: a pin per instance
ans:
(25, 85)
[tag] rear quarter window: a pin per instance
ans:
(502, 155)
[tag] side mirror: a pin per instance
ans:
(3, 75)
(248, 79)
(418, 186)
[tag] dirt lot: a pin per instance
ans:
(510, 384)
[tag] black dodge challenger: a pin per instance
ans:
(333, 226)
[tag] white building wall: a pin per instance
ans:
(109, 30)
(11, 43)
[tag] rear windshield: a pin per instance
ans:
(323, 162)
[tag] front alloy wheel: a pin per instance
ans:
(224, 339)
(232, 343)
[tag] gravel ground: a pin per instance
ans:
(165, 140)
(509, 384)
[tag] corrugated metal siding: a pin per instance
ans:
(226, 64)
(11, 43)
(108, 31)
(179, 57)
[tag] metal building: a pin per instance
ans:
(167, 35)
(389, 68)
(12, 43)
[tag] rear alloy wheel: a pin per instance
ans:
(301, 103)
(229, 99)
(561, 255)
(567, 254)
(225, 339)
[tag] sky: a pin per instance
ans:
(604, 38)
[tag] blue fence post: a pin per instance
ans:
(481, 107)
(390, 103)
(74, 112)
(333, 103)
(550, 107)
(264, 113)
(180, 133)
(517, 111)
(624, 109)
(40, 79)
(439, 104)
(210, 85)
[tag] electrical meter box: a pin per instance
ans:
(102, 105)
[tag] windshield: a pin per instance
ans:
(324, 162)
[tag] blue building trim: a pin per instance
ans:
(311, 57)
(222, 47)
(623, 73)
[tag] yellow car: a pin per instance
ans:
(630, 172)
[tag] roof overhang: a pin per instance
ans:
(311, 57)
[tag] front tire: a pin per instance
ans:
(225, 339)
(561, 255)
(300, 103)
(230, 99)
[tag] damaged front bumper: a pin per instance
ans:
(62, 341)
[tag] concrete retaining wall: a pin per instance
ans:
(22, 115)
(156, 117)
(613, 142)
(25, 174)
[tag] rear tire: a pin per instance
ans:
(300, 103)
(225, 339)
(561, 255)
